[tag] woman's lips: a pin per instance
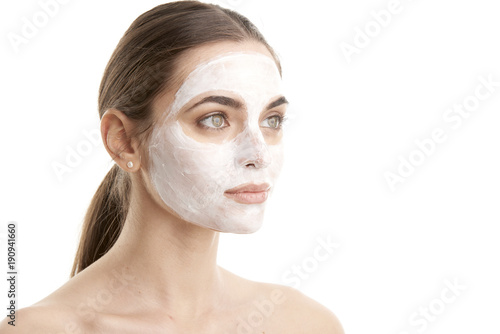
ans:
(249, 193)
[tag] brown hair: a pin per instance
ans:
(141, 66)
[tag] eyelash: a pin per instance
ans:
(281, 120)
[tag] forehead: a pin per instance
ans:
(253, 76)
(194, 57)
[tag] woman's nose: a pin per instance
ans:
(252, 150)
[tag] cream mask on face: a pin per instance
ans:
(191, 177)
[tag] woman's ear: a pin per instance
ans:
(116, 132)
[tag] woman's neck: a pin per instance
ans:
(174, 262)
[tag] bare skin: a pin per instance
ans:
(162, 276)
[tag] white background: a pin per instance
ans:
(353, 120)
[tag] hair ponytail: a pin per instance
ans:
(140, 68)
(104, 219)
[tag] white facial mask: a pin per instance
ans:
(190, 176)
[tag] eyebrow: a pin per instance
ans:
(223, 100)
(281, 100)
(230, 102)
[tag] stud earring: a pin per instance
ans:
(130, 164)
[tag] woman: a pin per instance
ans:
(191, 110)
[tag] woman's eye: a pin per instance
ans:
(273, 122)
(214, 121)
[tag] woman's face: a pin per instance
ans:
(216, 151)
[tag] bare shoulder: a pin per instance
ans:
(43, 319)
(294, 312)
(302, 314)
(275, 308)
(32, 319)
(307, 315)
